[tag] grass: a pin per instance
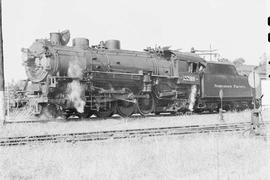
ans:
(220, 156)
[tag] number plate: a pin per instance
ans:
(189, 78)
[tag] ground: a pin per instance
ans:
(208, 156)
(199, 156)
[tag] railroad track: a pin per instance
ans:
(136, 116)
(123, 134)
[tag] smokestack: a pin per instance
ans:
(2, 79)
(55, 38)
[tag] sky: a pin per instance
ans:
(237, 28)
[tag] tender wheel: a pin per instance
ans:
(146, 104)
(125, 108)
(106, 111)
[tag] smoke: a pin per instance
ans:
(75, 89)
(192, 97)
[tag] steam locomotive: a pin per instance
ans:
(104, 80)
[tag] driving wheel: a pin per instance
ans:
(106, 111)
(125, 108)
(146, 103)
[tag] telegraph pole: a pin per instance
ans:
(2, 78)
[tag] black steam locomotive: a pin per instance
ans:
(104, 80)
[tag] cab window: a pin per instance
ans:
(192, 67)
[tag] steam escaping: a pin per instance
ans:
(192, 97)
(74, 89)
(74, 69)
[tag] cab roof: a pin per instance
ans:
(218, 62)
(191, 57)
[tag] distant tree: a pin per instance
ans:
(18, 85)
(239, 61)
(263, 59)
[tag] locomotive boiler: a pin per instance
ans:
(104, 79)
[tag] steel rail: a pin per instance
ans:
(135, 116)
(124, 134)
